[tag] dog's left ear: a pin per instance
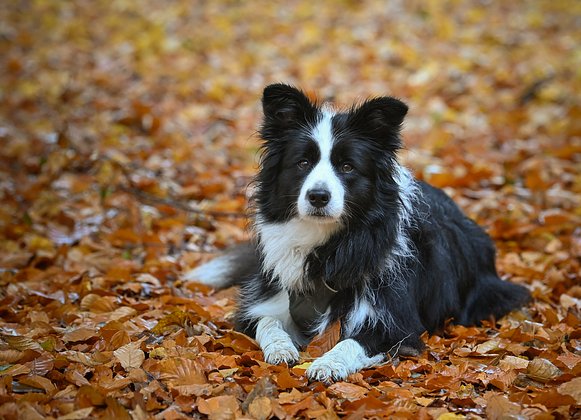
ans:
(380, 117)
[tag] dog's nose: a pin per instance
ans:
(318, 198)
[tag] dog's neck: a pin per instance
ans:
(285, 246)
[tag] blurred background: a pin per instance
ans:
(128, 139)
(118, 118)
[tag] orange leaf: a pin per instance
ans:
(130, 355)
(18, 342)
(348, 391)
(324, 342)
(260, 408)
(542, 370)
(572, 388)
(221, 407)
(182, 371)
(499, 407)
(284, 380)
(80, 334)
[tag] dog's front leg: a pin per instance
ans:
(275, 342)
(347, 357)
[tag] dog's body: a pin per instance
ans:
(344, 232)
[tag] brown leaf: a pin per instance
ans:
(40, 383)
(260, 408)
(15, 370)
(177, 318)
(285, 380)
(89, 396)
(239, 342)
(513, 362)
(115, 410)
(542, 370)
(221, 407)
(291, 397)
(98, 304)
(80, 414)
(130, 355)
(325, 341)
(347, 391)
(265, 387)
(20, 342)
(569, 359)
(182, 371)
(80, 334)
(487, 347)
(499, 407)
(572, 388)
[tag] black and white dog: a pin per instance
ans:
(344, 232)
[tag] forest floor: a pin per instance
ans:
(127, 133)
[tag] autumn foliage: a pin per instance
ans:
(126, 145)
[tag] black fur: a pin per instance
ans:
(408, 249)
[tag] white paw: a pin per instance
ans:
(281, 351)
(347, 357)
(328, 370)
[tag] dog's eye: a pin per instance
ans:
(303, 164)
(346, 168)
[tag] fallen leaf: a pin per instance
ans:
(513, 362)
(285, 380)
(572, 388)
(20, 342)
(221, 407)
(499, 407)
(260, 408)
(348, 391)
(325, 341)
(130, 355)
(80, 414)
(542, 370)
(80, 334)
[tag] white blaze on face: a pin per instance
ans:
(323, 176)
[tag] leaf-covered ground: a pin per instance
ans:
(127, 141)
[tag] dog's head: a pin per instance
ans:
(321, 165)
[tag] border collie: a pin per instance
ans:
(344, 232)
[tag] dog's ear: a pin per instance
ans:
(286, 105)
(381, 118)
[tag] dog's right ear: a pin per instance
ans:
(286, 105)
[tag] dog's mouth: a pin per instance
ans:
(321, 216)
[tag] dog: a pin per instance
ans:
(344, 232)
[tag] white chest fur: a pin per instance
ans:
(285, 246)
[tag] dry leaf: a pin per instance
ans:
(80, 334)
(487, 347)
(130, 355)
(20, 342)
(284, 380)
(542, 370)
(325, 341)
(572, 388)
(260, 408)
(80, 414)
(221, 407)
(499, 407)
(513, 362)
(348, 391)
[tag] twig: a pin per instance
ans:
(396, 346)
(152, 199)
(172, 202)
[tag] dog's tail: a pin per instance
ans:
(493, 297)
(231, 267)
